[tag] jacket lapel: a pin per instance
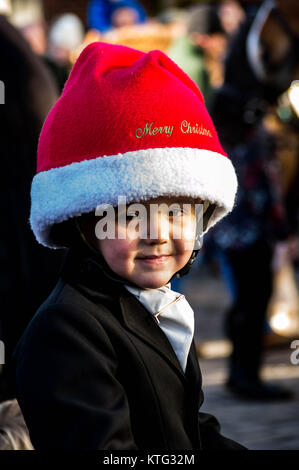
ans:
(140, 322)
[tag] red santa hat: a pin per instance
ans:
(132, 124)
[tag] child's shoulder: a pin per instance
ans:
(64, 301)
(64, 315)
(65, 332)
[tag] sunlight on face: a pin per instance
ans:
(149, 254)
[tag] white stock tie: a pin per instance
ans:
(172, 313)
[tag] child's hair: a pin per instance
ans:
(14, 434)
(69, 232)
(63, 234)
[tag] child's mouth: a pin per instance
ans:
(155, 259)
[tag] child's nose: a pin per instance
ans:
(158, 227)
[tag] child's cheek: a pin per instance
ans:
(123, 249)
(188, 229)
(124, 232)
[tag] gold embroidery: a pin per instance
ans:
(186, 128)
(149, 130)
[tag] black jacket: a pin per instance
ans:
(95, 371)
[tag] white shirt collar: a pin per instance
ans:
(174, 315)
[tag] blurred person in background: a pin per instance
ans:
(231, 16)
(66, 34)
(104, 15)
(27, 273)
(204, 40)
(261, 64)
(53, 43)
(28, 18)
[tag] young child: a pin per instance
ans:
(108, 361)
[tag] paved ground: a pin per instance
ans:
(257, 425)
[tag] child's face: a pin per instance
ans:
(150, 259)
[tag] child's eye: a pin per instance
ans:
(176, 212)
(133, 214)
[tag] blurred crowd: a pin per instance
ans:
(243, 56)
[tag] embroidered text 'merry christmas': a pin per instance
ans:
(185, 128)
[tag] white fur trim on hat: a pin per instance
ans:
(61, 193)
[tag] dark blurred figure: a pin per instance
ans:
(27, 273)
(231, 16)
(106, 14)
(203, 41)
(66, 34)
(257, 71)
(52, 44)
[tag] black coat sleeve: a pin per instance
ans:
(211, 438)
(66, 384)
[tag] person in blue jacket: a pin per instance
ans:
(105, 14)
